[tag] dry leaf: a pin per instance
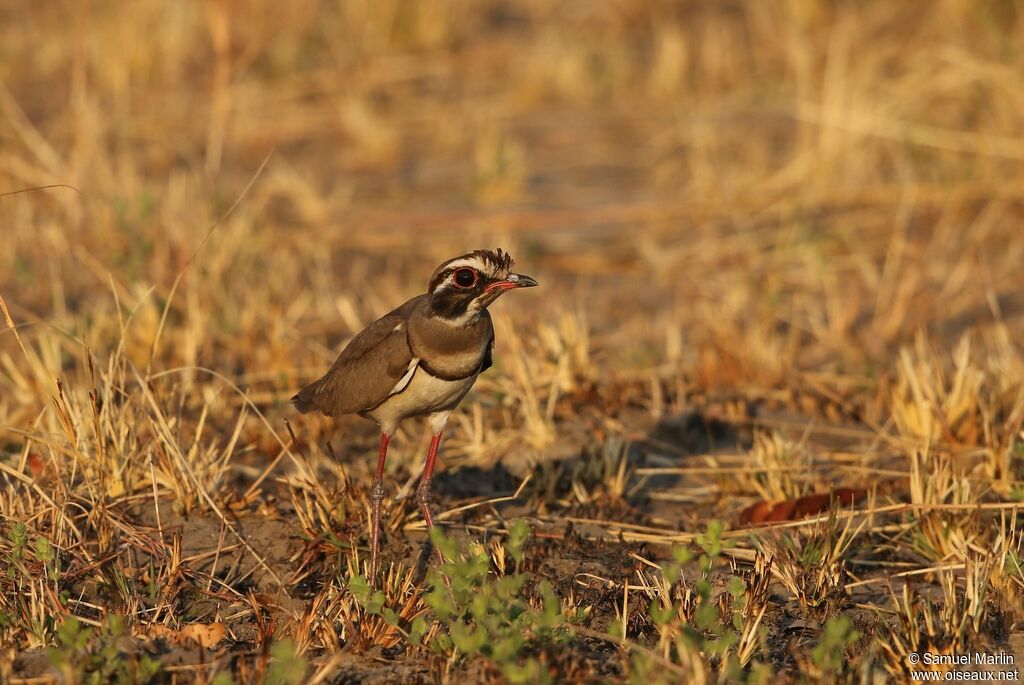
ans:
(204, 634)
(792, 509)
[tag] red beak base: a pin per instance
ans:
(513, 281)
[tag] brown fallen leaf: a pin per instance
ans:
(792, 509)
(39, 469)
(204, 634)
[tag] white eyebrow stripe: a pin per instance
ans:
(474, 263)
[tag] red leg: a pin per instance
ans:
(376, 496)
(423, 491)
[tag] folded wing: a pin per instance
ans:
(367, 370)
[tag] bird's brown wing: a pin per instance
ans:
(366, 370)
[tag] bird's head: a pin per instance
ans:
(463, 287)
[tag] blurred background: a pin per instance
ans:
(769, 197)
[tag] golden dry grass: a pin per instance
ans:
(799, 218)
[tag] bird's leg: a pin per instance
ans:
(423, 491)
(376, 496)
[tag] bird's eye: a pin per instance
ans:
(465, 278)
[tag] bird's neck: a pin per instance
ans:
(467, 319)
(454, 309)
(465, 332)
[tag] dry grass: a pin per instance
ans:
(780, 252)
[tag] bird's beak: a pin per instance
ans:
(513, 281)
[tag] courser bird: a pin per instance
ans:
(418, 360)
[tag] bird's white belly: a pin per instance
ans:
(422, 396)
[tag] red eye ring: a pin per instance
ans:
(464, 277)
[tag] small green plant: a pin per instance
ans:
(386, 616)
(486, 615)
(24, 603)
(92, 656)
(697, 627)
(479, 610)
(286, 667)
(19, 540)
(838, 636)
(46, 556)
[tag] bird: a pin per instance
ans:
(418, 360)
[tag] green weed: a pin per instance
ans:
(93, 656)
(839, 634)
(286, 667)
(479, 612)
(698, 627)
